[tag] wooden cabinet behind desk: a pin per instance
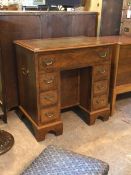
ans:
(124, 66)
(121, 70)
(31, 25)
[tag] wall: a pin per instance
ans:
(24, 2)
(96, 6)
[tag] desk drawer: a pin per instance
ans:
(48, 98)
(48, 81)
(100, 102)
(101, 72)
(76, 58)
(100, 87)
(49, 114)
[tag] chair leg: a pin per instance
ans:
(5, 114)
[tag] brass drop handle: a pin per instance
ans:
(49, 81)
(102, 101)
(103, 54)
(25, 71)
(49, 98)
(48, 62)
(102, 70)
(97, 101)
(49, 115)
(99, 87)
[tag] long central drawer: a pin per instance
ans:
(74, 58)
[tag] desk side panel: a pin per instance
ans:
(27, 82)
(124, 66)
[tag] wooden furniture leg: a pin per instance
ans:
(40, 133)
(91, 120)
(113, 102)
(3, 115)
(103, 115)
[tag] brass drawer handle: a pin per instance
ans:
(102, 71)
(103, 54)
(126, 29)
(24, 71)
(49, 98)
(99, 87)
(99, 101)
(49, 115)
(48, 62)
(49, 81)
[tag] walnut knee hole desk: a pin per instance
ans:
(55, 74)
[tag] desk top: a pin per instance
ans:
(54, 44)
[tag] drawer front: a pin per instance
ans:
(126, 27)
(124, 66)
(48, 98)
(125, 53)
(101, 72)
(100, 87)
(77, 58)
(100, 102)
(48, 81)
(47, 63)
(49, 115)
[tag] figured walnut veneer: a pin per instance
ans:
(62, 73)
